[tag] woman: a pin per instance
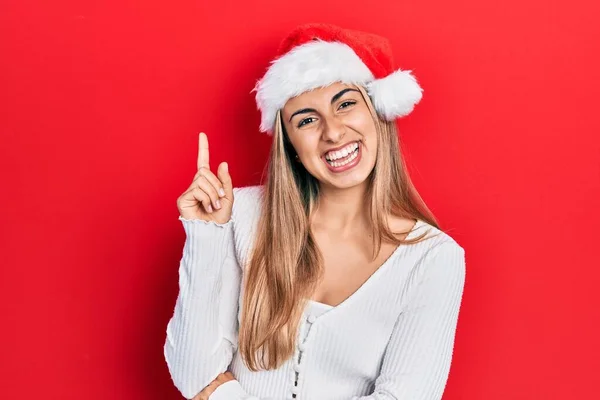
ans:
(331, 281)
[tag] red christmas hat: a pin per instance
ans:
(317, 55)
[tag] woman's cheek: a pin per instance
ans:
(359, 121)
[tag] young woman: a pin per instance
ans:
(332, 280)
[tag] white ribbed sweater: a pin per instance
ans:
(392, 339)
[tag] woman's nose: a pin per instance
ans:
(334, 130)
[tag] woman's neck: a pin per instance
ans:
(342, 210)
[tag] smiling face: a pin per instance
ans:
(333, 133)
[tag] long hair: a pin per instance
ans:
(286, 265)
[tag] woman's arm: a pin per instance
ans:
(417, 360)
(202, 333)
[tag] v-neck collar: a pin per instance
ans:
(329, 309)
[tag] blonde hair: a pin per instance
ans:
(286, 264)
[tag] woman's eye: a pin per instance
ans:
(349, 103)
(305, 121)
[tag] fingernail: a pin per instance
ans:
(218, 204)
(221, 192)
(210, 209)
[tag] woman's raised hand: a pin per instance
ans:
(209, 197)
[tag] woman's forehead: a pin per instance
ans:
(317, 95)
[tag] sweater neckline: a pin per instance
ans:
(328, 308)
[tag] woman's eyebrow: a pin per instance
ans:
(302, 111)
(341, 93)
(333, 100)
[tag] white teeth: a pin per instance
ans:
(335, 155)
(342, 163)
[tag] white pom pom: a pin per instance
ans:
(395, 95)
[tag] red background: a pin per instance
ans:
(100, 108)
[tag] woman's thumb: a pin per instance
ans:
(225, 178)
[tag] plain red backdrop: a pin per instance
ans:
(100, 108)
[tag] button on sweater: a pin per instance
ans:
(393, 338)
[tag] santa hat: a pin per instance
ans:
(317, 55)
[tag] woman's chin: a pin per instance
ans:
(345, 181)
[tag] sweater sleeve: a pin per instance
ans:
(202, 333)
(417, 360)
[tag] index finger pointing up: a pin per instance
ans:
(203, 160)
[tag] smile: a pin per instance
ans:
(344, 159)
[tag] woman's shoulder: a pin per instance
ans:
(435, 244)
(433, 236)
(439, 253)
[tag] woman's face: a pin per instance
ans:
(333, 133)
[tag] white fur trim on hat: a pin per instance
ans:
(318, 64)
(309, 66)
